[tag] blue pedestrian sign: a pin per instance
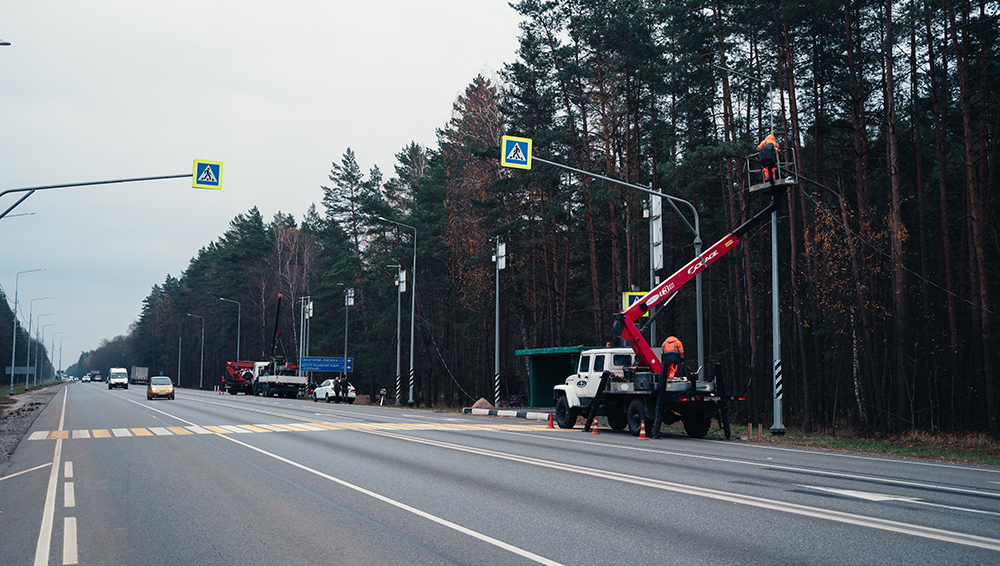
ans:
(515, 152)
(316, 363)
(207, 174)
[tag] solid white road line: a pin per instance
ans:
(43, 547)
(474, 534)
(14, 475)
(759, 502)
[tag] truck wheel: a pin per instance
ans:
(617, 420)
(635, 413)
(697, 425)
(565, 416)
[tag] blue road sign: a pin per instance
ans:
(315, 363)
(515, 152)
(207, 174)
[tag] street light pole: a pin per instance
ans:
(60, 351)
(27, 359)
(54, 349)
(413, 299)
(501, 262)
(38, 345)
(201, 369)
(348, 301)
(239, 323)
(13, 328)
(38, 365)
(400, 289)
(777, 427)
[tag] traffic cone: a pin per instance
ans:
(642, 431)
(593, 428)
(220, 391)
(550, 421)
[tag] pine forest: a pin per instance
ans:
(888, 245)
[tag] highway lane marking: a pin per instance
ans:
(69, 541)
(752, 501)
(68, 470)
(278, 427)
(69, 494)
(399, 505)
(477, 535)
(14, 475)
(791, 469)
(881, 497)
(44, 545)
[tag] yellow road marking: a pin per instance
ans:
(56, 434)
(101, 433)
(179, 430)
(141, 432)
(217, 429)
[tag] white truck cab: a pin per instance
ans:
(581, 386)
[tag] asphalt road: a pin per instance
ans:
(107, 477)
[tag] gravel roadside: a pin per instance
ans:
(16, 417)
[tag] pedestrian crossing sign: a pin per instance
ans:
(207, 174)
(515, 152)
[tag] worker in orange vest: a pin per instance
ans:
(768, 155)
(673, 354)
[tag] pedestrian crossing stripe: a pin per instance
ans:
(515, 152)
(207, 174)
(265, 428)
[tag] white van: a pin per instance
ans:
(118, 377)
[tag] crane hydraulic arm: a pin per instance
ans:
(624, 322)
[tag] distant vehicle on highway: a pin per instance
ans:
(160, 386)
(118, 377)
(327, 392)
(86, 379)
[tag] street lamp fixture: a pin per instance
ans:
(201, 369)
(413, 298)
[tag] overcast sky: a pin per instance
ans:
(277, 91)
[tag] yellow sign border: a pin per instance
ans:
(194, 175)
(503, 156)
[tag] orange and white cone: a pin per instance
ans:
(593, 428)
(642, 431)
(220, 391)
(550, 421)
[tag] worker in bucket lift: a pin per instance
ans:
(673, 355)
(768, 155)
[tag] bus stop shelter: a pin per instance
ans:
(548, 367)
